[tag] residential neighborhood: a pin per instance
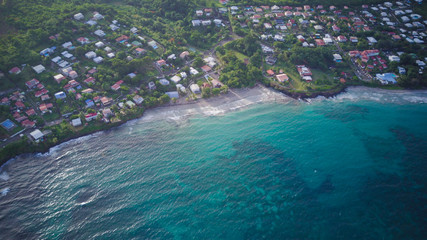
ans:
(108, 70)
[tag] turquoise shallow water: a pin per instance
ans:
(353, 167)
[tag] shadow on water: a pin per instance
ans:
(396, 204)
(345, 112)
(258, 188)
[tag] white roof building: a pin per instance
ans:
(176, 79)
(36, 134)
(99, 44)
(39, 69)
(76, 122)
(99, 33)
(195, 88)
(98, 59)
(90, 55)
(79, 16)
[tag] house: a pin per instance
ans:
(114, 27)
(320, 42)
(401, 70)
(341, 38)
(89, 103)
(122, 38)
(303, 70)
(107, 112)
(36, 135)
(138, 99)
(98, 59)
(97, 16)
(30, 112)
(371, 40)
(89, 80)
(20, 105)
(176, 79)
(90, 55)
(153, 44)
(161, 62)
(354, 39)
(199, 13)
(15, 70)
(196, 23)
(195, 88)
(173, 94)
(134, 30)
(91, 22)
(59, 77)
(130, 104)
(44, 107)
(28, 124)
(206, 22)
(44, 97)
(32, 83)
(393, 58)
(89, 117)
(99, 33)
(72, 74)
(206, 68)
(67, 45)
(184, 54)
(337, 58)
(386, 78)
(282, 78)
(111, 55)
(83, 40)
(106, 101)
(270, 72)
(99, 44)
(79, 16)
(151, 85)
(60, 95)
(193, 71)
(76, 122)
(116, 86)
(354, 53)
(41, 92)
(39, 69)
(164, 82)
(87, 90)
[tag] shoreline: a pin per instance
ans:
(234, 100)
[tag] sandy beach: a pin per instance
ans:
(234, 100)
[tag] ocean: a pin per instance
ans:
(349, 167)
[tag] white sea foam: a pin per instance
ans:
(382, 95)
(4, 191)
(4, 176)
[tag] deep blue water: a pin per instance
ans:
(353, 167)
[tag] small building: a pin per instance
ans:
(176, 79)
(173, 94)
(130, 104)
(39, 69)
(60, 95)
(164, 82)
(393, 58)
(59, 77)
(99, 44)
(195, 88)
(98, 59)
(79, 16)
(89, 117)
(36, 134)
(90, 55)
(76, 122)
(138, 99)
(337, 58)
(282, 78)
(151, 85)
(99, 33)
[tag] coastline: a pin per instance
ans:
(235, 99)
